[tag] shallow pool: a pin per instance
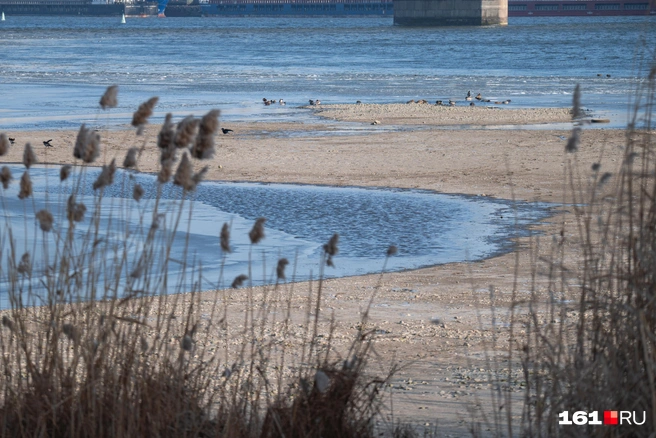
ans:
(427, 227)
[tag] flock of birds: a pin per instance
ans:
(46, 143)
(316, 102)
(469, 98)
(268, 102)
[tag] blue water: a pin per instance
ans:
(53, 69)
(428, 229)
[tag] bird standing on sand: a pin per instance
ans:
(226, 130)
(469, 96)
(47, 143)
(452, 102)
(311, 102)
(12, 140)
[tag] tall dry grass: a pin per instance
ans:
(584, 340)
(100, 341)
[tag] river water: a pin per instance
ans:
(53, 69)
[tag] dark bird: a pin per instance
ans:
(12, 140)
(311, 102)
(225, 130)
(472, 104)
(47, 143)
(478, 96)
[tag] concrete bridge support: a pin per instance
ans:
(450, 12)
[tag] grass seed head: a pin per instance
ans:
(25, 186)
(238, 281)
(165, 172)
(573, 141)
(576, 103)
(257, 232)
(186, 131)
(109, 99)
(75, 211)
(280, 269)
(87, 145)
(137, 192)
(106, 177)
(131, 158)
(29, 157)
(166, 134)
(25, 265)
(4, 144)
(65, 172)
(184, 176)
(167, 154)
(140, 117)
(225, 238)
(203, 147)
(7, 322)
(5, 177)
(331, 247)
(45, 220)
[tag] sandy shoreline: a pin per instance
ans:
(443, 360)
(421, 114)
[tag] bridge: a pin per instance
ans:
(450, 12)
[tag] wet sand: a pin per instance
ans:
(435, 321)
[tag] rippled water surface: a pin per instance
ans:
(428, 228)
(54, 68)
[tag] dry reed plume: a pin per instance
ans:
(110, 98)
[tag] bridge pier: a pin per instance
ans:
(450, 12)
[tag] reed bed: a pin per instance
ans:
(100, 341)
(584, 339)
